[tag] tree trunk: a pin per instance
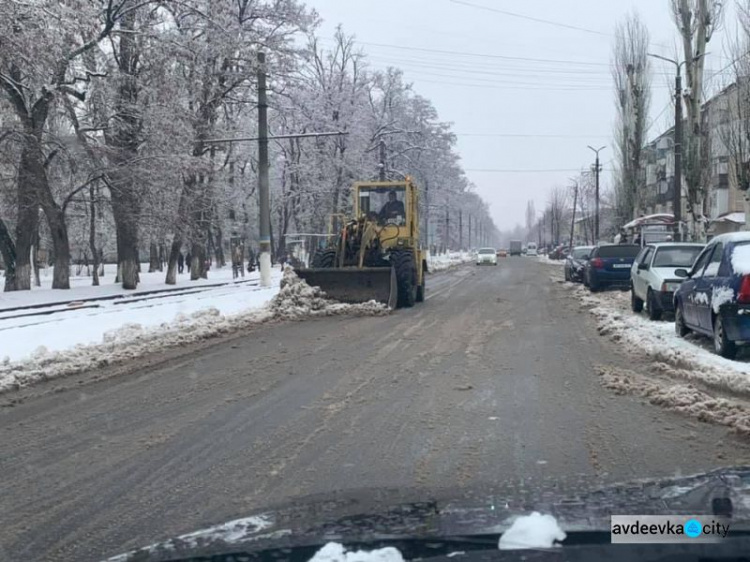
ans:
(92, 234)
(153, 257)
(219, 248)
(198, 267)
(8, 251)
(59, 233)
(182, 211)
(162, 251)
(124, 211)
(27, 215)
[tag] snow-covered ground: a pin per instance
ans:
(80, 286)
(59, 327)
(54, 340)
(445, 261)
(546, 260)
(685, 375)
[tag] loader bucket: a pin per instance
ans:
(354, 285)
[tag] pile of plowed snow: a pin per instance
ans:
(295, 300)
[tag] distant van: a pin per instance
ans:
(531, 249)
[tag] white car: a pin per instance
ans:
(487, 256)
(652, 277)
(531, 249)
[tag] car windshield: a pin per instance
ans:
(250, 261)
(618, 251)
(676, 256)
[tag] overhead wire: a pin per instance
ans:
(532, 18)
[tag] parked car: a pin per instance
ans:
(652, 276)
(559, 253)
(487, 256)
(531, 249)
(575, 263)
(609, 266)
(714, 298)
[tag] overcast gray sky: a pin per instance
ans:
(563, 105)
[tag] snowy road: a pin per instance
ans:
(493, 378)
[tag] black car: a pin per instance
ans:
(575, 262)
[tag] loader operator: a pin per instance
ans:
(392, 208)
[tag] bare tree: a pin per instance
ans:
(696, 21)
(530, 217)
(557, 205)
(734, 125)
(632, 80)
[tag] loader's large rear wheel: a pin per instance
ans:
(406, 277)
(325, 258)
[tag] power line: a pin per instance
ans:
(531, 18)
(483, 55)
(530, 135)
(524, 72)
(524, 171)
(505, 81)
(536, 87)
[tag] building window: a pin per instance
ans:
(232, 215)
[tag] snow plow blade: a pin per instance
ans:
(354, 285)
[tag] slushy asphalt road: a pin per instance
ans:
(492, 378)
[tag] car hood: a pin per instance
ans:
(578, 504)
(666, 273)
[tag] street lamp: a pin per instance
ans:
(677, 190)
(596, 169)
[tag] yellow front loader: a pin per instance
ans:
(376, 254)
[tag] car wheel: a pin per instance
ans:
(636, 304)
(723, 346)
(680, 327)
(654, 312)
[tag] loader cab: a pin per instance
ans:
(393, 207)
(384, 205)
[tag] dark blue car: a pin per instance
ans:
(714, 299)
(609, 266)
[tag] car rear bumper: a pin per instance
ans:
(613, 278)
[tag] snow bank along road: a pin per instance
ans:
(496, 377)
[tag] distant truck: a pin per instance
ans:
(515, 247)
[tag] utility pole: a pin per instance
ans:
(470, 242)
(677, 190)
(447, 228)
(264, 204)
(597, 169)
(573, 220)
(460, 230)
(382, 160)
